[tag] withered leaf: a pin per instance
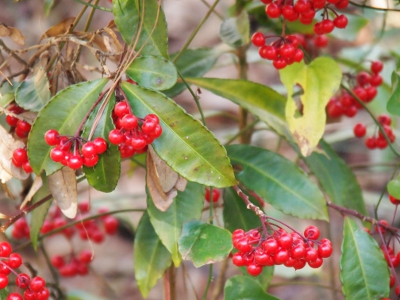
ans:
(14, 33)
(59, 29)
(36, 185)
(7, 146)
(62, 185)
(163, 183)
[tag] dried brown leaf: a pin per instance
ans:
(163, 183)
(115, 45)
(6, 190)
(36, 185)
(59, 29)
(111, 24)
(14, 33)
(7, 146)
(62, 185)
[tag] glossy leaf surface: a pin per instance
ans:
(150, 257)
(279, 181)
(105, 174)
(393, 105)
(203, 243)
(188, 147)
(245, 288)
(336, 178)
(153, 72)
(128, 15)
(235, 31)
(363, 270)
(319, 86)
(64, 113)
(188, 205)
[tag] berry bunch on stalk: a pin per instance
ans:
(74, 151)
(260, 247)
(21, 127)
(132, 134)
(95, 230)
(27, 288)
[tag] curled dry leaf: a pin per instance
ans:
(36, 185)
(14, 33)
(163, 183)
(7, 146)
(59, 29)
(62, 185)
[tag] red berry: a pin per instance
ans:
(376, 80)
(258, 39)
(57, 261)
(341, 21)
(110, 224)
(394, 200)
(270, 245)
(363, 78)
(51, 137)
(100, 144)
(238, 260)
(324, 250)
(298, 252)
(273, 10)
(116, 137)
(138, 143)
(298, 55)
(311, 232)
(321, 41)
(90, 161)
(75, 162)
(57, 155)
(285, 241)
(3, 281)
(85, 256)
(22, 280)
(311, 254)
(215, 195)
(287, 51)
(23, 126)
(129, 122)
(370, 142)
(14, 296)
(14, 260)
(27, 167)
(88, 149)
(360, 130)
(316, 263)
(281, 256)
(42, 295)
(385, 119)
(20, 156)
(279, 63)
(5, 249)
(37, 284)
(302, 6)
(254, 269)
(12, 121)
(29, 295)
(121, 109)
(148, 127)
(342, 4)
(289, 13)
(153, 118)
(376, 67)
(268, 52)
(371, 93)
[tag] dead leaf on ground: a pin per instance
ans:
(59, 29)
(14, 33)
(163, 183)
(62, 185)
(7, 146)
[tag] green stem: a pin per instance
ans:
(49, 264)
(94, 6)
(374, 8)
(243, 130)
(196, 30)
(210, 276)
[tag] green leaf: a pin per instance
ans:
(188, 205)
(39, 214)
(393, 104)
(235, 31)
(336, 178)
(353, 28)
(204, 243)
(279, 181)
(193, 63)
(105, 174)
(150, 256)
(363, 270)
(128, 17)
(235, 213)
(48, 5)
(319, 86)
(64, 113)
(188, 147)
(393, 188)
(153, 72)
(7, 93)
(245, 288)
(33, 93)
(4, 293)
(260, 100)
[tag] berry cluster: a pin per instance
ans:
(365, 89)
(283, 52)
(94, 229)
(34, 289)
(67, 152)
(281, 247)
(132, 134)
(305, 10)
(377, 141)
(22, 127)
(215, 195)
(20, 160)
